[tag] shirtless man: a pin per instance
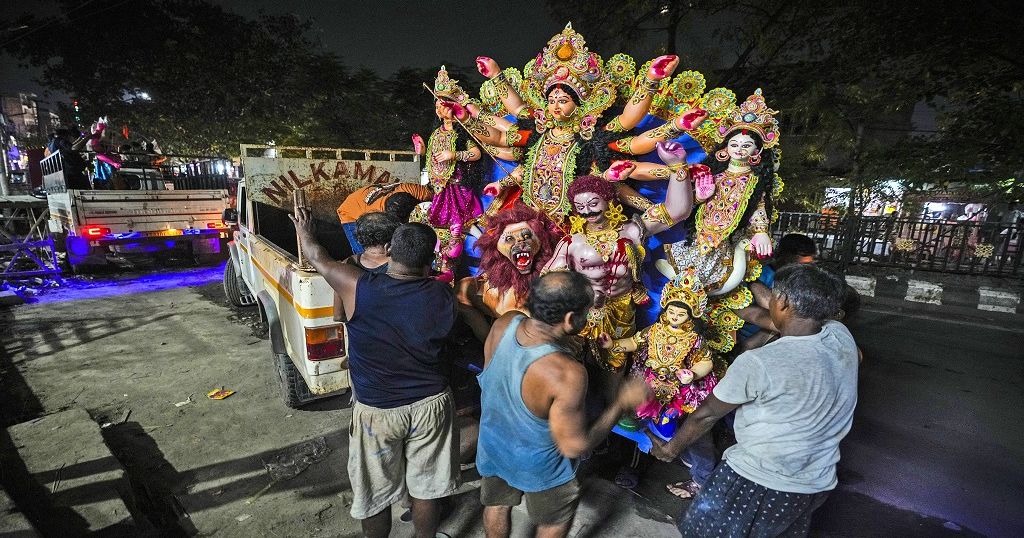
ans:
(532, 422)
(608, 250)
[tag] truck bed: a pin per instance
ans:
(139, 211)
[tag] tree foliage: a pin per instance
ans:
(847, 78)
(215, 79)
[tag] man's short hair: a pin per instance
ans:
(400, 204)
(412, 245)
(812, 292)
(554, 295)
(375, 229)
(791, 247)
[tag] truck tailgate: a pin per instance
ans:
(148, 210)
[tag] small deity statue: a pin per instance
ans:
(674, 356)
(608, 249)
(452, 174)
(104, 163)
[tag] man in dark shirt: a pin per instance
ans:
(402, 440)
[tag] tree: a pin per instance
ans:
(848, 77)
(186, 72)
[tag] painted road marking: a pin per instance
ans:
(997, 301)
(920, 291)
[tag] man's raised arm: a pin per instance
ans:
(340, 276)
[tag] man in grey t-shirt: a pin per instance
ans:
(795, 399)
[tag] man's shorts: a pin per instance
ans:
(549, 507)
(409, 449)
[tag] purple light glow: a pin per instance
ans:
(120, 285)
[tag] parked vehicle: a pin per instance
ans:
(158, 208)
(307, 340)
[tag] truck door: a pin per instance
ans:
(244, 233)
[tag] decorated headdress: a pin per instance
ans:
(566, 60)
(754, 115)
(449, 88)
(686, 287)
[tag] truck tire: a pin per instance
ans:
(293, 387)
(233, 289)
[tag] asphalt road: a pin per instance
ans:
(935, 449)
(937, 427)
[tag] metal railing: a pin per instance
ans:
(963, 247)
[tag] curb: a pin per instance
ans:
(922, 291)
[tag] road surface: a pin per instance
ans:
(935, 450)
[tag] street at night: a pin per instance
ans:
(550, 268)
(933, 452)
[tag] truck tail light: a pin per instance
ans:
(216, 225)
(95, 231)
(324, 343)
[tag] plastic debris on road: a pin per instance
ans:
(219, 394)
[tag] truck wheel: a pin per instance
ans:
(233, 290)
(293, 387)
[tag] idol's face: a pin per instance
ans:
(590, 206)
(676, 316)
(441, 111)
(741, 147)
(520, 245)
(560, 105)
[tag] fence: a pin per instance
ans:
(944, 246)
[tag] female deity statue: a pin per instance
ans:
(567, 92)
(104, 163)
(674, 356)
(734, 212)
(453, 175)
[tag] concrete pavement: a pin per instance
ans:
(933, 452)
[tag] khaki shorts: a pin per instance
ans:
(412, 449)
(549, 507)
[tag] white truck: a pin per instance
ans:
(161, 208)
(307, 340)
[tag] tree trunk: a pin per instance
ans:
(675, 16)
(852, 218)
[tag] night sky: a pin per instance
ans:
(384, 35)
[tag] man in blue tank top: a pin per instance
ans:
(402, 439)
(532, 422)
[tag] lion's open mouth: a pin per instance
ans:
(523, 261)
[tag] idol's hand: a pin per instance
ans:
(605, 341)
(487, 67)
(703, 181)
(417, 144)
(692, 119)
(663, 67)
(457, 110)
(492, 189)
(672, 153)
(454, 247)
(685, 376)
(445, 156)
(620, 170)
(761, 243)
